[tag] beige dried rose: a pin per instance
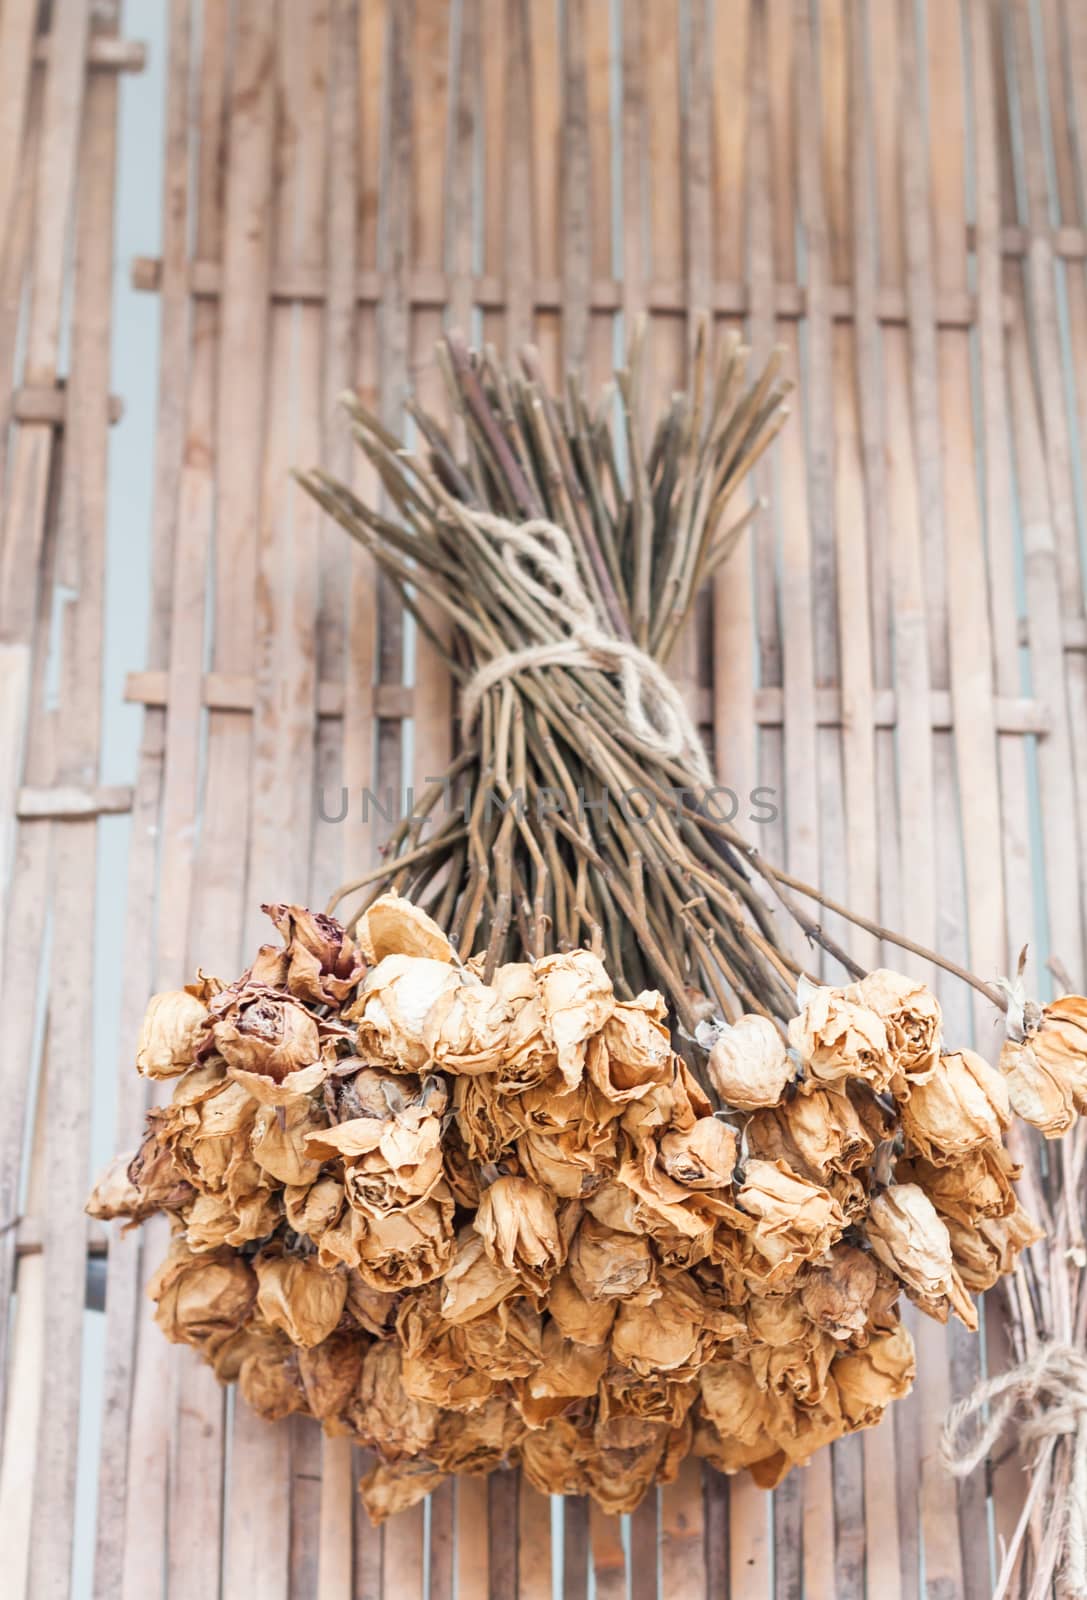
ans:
(467, 1028)
(393, 926)
(576, 998)
(988, 1249)
(478, 1441)
(816, 1134)
(318, 963)
(910, 1238)
(137, 1184)
(963, 1104)
(748, 1063)
(837, 1039)
(202, 1299)
(269, 1380)
(406, 1248)
(1046, 1072)
(311, 1209)
(701, 1157)
(554, 1457)
(330, 1372)
(173, 1031)
(296, 1295)
(911, 1015)
(212, 1220)
(505, 1342)
(391, 1155)
(474, 1283)
(277, 1140)
(608, 1265)
(568, 1371)
(387, 1490)
(579, 1319)
(978, 1184)
(272, 1045)
(796, 1370)
(484, 1118)
(569, 1143)
(836, 1296)
(642, 1406)
(382, 1415)
(738, 1412)
(672, 1331)
(868, 1380)
(396, 999)
(633, 1052)
(433, 1367)
(516, 1221)
(373, 1310)
(794, 1221)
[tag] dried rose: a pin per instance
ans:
(836, 1297)
(387, 1490)
(962, 1105)
(577, 999)
(173, 1030)
(909, 1237)
(269, 1381)
(330, 1372)
(838, 1039)
(1046, 1072)
(277, 1140)
(567, 1371)
(816, 1134)
(584, 1321)
(633, 1052)
(297, 1295)
(988, 1249)
(393, 926)
(978, 1184)
(748, 1064)
(273, 1046)
(397, 997)
(433, 1367)
(702, 1157)
(391, 1155)
(319, 962)
(868, 1380)
(202, 1299)
(608, 1265)
(406, 1248)
(474, 1284)
(911, 1016)
(738, 1410)
(467, 1028)
(478, 1441)
(516, 1221)
(382, 1415)
(313, 1208)
(483, 1117)
(554, 1457)
(794, 1220)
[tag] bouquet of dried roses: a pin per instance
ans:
(456, 1178)
(475, 1223)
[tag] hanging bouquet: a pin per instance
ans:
(553, 1152)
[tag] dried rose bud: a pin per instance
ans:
(273, 1046)
(869, 1379)
(567, 1371)
(406, 1248)
(816, 1134)
(201, 1299)
(554, 1457)
(607, 1265)
(988, 1249)
(269, 1381)
(397, 997)
(963, 1104)
(467, 1028)
(1046, 1072)
(393, 926)
(702, 1157)
(577, 999)
(330, 1372)
(516, 1221)
(838, 1039)
(910, 1238)
(836, 1297)
(748, 1064)
(794, 1220)
(474, 1284)
(911, 1015)
(174, 1028)
(978, 1184)
(297, 1295)
(318, 963)
(387, 1490)
(586, 1322)
(633, 1052)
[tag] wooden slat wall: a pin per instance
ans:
(893, 191)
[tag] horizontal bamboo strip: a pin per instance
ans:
(432, 290)
(230, 692)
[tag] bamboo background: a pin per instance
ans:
(897, 192)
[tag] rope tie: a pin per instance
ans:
(1052, 1383)
(653, 706)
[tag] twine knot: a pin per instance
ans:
(1052, 1384)
(653, 707)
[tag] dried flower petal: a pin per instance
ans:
(748, 1064)
(173, 1030)
(963, 1104)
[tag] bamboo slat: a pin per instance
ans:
(893, 192)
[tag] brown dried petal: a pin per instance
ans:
(911, 1016)
(909, 1237)
(837, 1039)
(836, 1297)
(385, 1490)
(607, 1265)
(474, 1284)
(200, 1298)
(516, 1221)
(795, 1221)
(577, 999)
(869, 1379)
(394, 926)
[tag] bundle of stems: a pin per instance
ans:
(572, 826)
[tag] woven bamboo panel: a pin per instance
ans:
(894, 190)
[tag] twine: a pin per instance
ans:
(653, 706)
(1053, 1382)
